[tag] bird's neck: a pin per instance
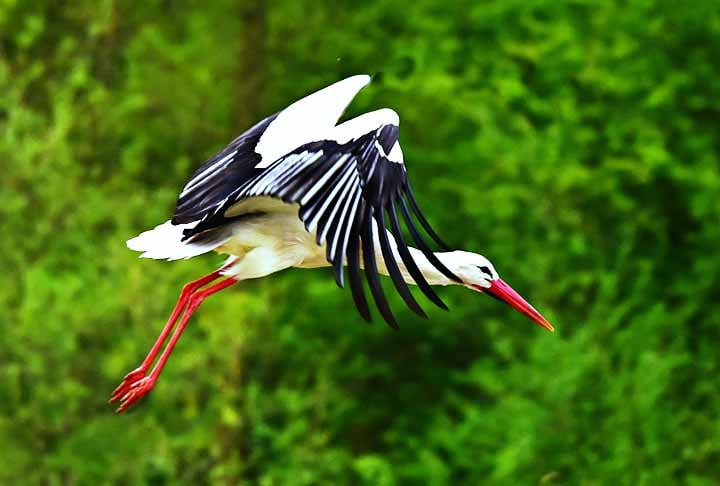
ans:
(431, 274)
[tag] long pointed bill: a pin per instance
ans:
(502, 291)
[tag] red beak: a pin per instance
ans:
(502, 291)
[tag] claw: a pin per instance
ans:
(136, 391)
(128, 381)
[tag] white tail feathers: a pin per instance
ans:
(164, 242)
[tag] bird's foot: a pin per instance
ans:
(136, 391)
(128, 380)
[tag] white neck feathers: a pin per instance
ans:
(431, 274)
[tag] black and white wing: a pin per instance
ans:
(243, 160)
(224, 172)
(348, 189)
(251, 153)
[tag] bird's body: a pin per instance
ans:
(300, 190)
(270, 237)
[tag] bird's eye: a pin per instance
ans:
(486, 271)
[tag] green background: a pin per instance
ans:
(574, 143)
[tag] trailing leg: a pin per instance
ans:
(185, 294)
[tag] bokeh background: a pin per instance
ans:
(575, 143)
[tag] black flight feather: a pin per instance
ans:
(341, 189)
(371, 272)
(421, 217)
(409, 262)
(393, 268)
(422, 246)
(353, 265)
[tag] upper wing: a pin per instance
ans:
(219, 176)
(305, 120)
(345, 189)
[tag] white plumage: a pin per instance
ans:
(300, 190)
(308, 119)
(164, 242)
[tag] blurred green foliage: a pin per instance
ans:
(575, 143)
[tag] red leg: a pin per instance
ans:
(140, 371)
(141, 387)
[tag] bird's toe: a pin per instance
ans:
(128, 381)
(135, 392)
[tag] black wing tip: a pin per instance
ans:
(365, 314)
(339, 281)
(393, 269)
(356, 287)
(390, 319)
(423, 246)
(410, 264)
(420, 312)
(454, 277)
(371, 272)
(444, 246)
(422, 219)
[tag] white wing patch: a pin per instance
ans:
(307, 120)
(363, 124)
(396, 154)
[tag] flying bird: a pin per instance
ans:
(300, 190)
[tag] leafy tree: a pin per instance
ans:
(575, 143)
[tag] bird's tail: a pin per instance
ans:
(164, 242)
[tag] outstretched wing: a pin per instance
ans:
(247, 156)
(346, 192)
(224, 172)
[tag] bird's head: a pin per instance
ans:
(477, 273)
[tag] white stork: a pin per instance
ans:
(299, 190)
